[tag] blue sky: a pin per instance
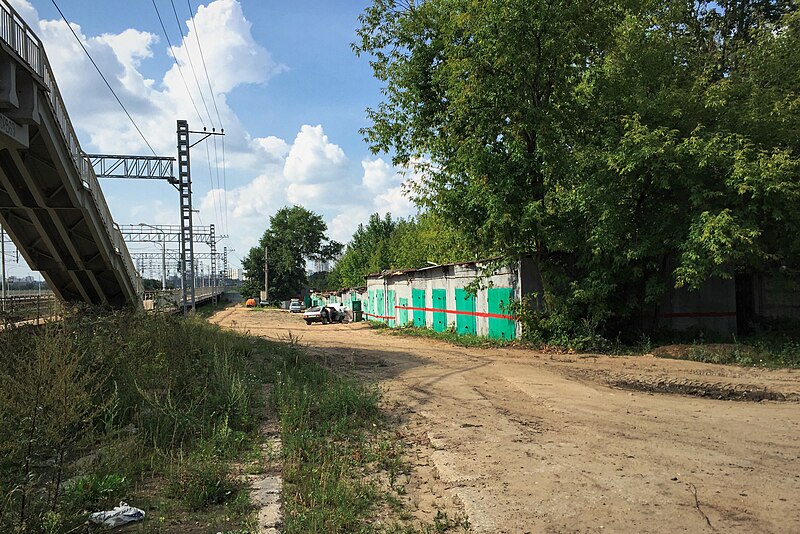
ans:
(290, 90)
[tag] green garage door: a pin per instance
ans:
(402, 313)
(465, 302)
(418, 297)
(391, 312)
(498, 299)
(439, 298)
(380, 304)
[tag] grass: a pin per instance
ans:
(342, 467)
(770, 352)
(450, 335)
(771, 345)
(164, 413)
(150, 409)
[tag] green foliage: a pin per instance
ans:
(450, 335)
(205, 480)
(323, 418)
(96, 491)
(628, 147)
(112, 399)
(336, 449)
(386, 243)
(295, 235)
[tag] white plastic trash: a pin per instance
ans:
(120, 515)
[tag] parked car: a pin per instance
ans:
(331, 313)
(295, 306)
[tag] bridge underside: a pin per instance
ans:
(46, 207)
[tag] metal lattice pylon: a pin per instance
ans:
(225, 265)
(187, 239)
(213, 274)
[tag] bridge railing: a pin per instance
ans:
(28, 47)
(19, 36)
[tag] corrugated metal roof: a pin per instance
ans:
(390, 272)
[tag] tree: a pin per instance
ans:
(628, 146)
(366, 253)
(386, 243)
(295, 236)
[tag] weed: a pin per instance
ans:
(449, 335)
(205, 480)
(325, 422)
(95, 492)
(181, 389)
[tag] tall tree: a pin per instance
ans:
(294, 237)
(386, 243)
(627, 145)
(367, 252)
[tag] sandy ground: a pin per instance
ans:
(532, 442)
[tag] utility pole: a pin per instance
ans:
(3, 255)
(161, 168)
(187, 240)
(225, 266)
(266, 275)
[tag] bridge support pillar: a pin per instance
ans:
(27, 111)
(8, 83)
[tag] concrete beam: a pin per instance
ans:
(8, 83)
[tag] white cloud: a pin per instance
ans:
(130, 46)
(318, 175)
(313, 158)
(265, 172)
(232, 58)
(25, 10)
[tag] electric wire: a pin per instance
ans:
(104, 78)
(216, 168)
(191, 63)
(203, 60)
(177, 64)
(214, 194)
(224, 182)
(213, 189)
(216, 109)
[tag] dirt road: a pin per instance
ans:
(530, 442)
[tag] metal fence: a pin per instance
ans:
(171, 299)
(32, 310)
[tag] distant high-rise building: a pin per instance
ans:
(322, 266)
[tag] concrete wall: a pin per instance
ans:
(711, 308)
(776, 297)
(436, 298)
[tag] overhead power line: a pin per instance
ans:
(191, 63)
(103, 77)
(213, 188)
(225, 183)
(223, 214)
(177, 64)
(203, 60)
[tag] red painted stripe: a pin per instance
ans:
(391, 318)
(678, 315)
(459, 312)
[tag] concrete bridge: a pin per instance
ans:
(50, 199)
